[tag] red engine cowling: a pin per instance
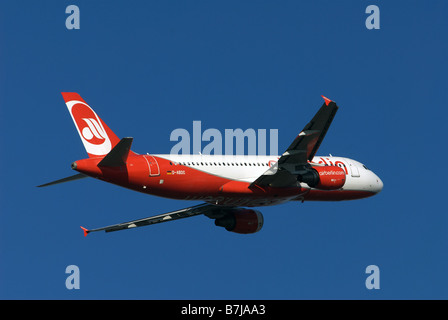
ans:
(241, 221)
(330, 177)
(325, 178)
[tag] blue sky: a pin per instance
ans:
(150, 67)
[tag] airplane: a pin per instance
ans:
(229, 186)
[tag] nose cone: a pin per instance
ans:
(376, 184)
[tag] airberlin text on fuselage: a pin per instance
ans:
(330, 163)
(327, 173)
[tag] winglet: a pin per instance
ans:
(85, 231)
(327, 101)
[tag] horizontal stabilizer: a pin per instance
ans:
(71, 178)
(118, 155)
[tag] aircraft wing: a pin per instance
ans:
(204, 208)
(302, 149)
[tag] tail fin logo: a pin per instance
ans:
(90, 128)
(93, 132)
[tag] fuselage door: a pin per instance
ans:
(154, 169)
(353, 169)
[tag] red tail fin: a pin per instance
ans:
(97, 137)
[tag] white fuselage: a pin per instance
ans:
(248, 168)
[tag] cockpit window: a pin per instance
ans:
(365, 167)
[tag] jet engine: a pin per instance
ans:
(241, 220)
(325, 178)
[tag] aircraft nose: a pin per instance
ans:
(377, 184)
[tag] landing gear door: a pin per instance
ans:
(154, 169)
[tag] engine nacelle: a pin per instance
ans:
(325, 178)
(241, 221)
